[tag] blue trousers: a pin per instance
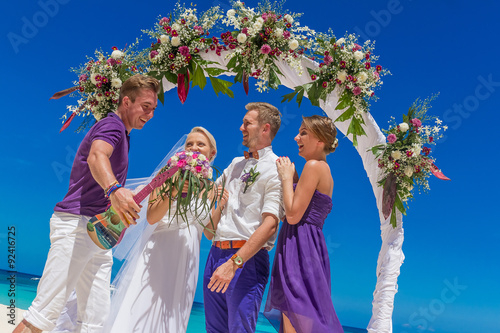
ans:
(236, 310)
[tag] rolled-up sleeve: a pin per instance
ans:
(273, 198)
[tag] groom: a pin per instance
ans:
(74, 261)
(237, 268)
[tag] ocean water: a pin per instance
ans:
(25, 292)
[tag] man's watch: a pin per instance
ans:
(237, 260)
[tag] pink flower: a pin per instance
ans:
(111, 62)
(391, 138)
(416, 122)
(265, 49)
(286, 34)
(324, 84)
(244, 31)
(164, 21)
(342, 64)
(356, 91)
(356, 47)
(376, 76)
(195, 156)
(184, 50)
(83, 78)
(153, 54)
(328, 60)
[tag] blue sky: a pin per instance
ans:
(448, 282)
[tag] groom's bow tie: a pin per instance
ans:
(251, 155)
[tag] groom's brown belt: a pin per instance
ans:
(230, 244)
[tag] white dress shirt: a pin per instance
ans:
(243, 212)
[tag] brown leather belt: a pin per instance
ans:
(230, 244)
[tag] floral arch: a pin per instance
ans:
(269, 44)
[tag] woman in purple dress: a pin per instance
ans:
(300, 280)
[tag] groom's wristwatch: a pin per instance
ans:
(237, 260)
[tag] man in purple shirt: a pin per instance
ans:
(74, 262)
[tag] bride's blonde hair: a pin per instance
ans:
(211, 139)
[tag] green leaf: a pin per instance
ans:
(171, 77)
(312, 94)
(215, 71)
(161, 94)
(399, 205)
(300, 95)
(289, 97)
(221, 86)
(344, 102)
(232, 63)
(199, 78)
(393, 217)
(239, 76)
(348, 114)
(274, 81)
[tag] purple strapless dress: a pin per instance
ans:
(300, 279)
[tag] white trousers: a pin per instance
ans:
(74, 262)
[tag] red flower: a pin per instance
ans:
(379, 68)
(368, 65)
(324, 84)
(313, 77)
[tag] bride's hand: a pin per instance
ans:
(286, 169)
(222, 201)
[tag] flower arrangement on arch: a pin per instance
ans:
(99, 83)
(259, 38)
(405, 159)
(194, 174)
(349, 67)
(175, 54)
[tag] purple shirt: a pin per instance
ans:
(85, 196)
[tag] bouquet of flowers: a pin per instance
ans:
(175, 54)
(195, 174)
(346, 66)
(404, 159)
(99, 82)
(260, 37)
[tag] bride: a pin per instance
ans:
(156, 285)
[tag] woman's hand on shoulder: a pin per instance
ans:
(286, 169)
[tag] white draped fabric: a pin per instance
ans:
(391, 255)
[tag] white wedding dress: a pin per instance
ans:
(155, 291)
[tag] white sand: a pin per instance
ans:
(5, 326)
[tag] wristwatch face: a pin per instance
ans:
(238, 261)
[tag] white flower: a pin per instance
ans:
(362, 77)
(241, 38)
(416, 150)
(279, 32)
(403, 127)
(260, 20)
(117, 54)
(164, 39)
(293, 44)
(176, 26)
(116, 83)
(92, 78)
(289, 18)
(358, 55)
(176, 41)
(99, 98)
(342, 75)
(231, 12)
(340, 41)
(396, 155)
(408, 171)
(257, 26)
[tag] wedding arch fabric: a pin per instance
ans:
(391, 255)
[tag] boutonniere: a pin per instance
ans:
(249, 178)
